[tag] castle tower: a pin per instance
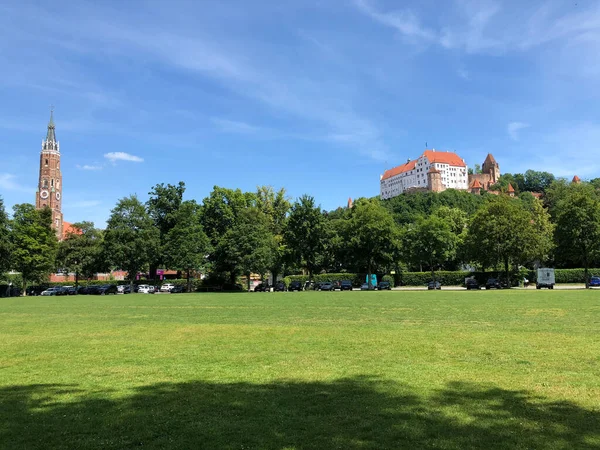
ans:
(476, 187)
(491, 167)
(434, 180)
(49, 189)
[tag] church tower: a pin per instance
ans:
(49, 192)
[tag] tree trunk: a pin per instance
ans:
(506, 272)
(248, 281)
(369, 275)
(24, 291)
(131, 291)
(76, 279)
(585, 274)
(189, 281)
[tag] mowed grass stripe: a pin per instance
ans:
(302, 370)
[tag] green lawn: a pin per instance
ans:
(315, 370)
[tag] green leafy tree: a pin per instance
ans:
(33, 243)
(538, 181)
(503, 233)
(5, 249)
(431, 241)
(371, 235)
(163, 207)
(306, 234)
(249, 246)
(186, 244)
(578, 226)
(130, 238)
(81, 251)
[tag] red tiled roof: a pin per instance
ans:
(399, 169)
(449, 158)
(510, 188)
(476, 184)
(68, 228)
(576, 179)
(490, 158)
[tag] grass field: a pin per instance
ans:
(315, 370)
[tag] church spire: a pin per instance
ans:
(51, 134)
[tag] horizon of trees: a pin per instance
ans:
(232, 233)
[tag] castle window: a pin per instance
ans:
(52, 183)
(45, 183)
(46, 162)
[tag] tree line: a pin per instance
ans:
(233, 234)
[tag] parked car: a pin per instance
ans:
(35, 290)
(121, 288)
(434, 285)
(279, 287)
(310, 285)
(167, 287)
(327, 286)
(494, 283)
(295, 286)
(364, 287)
(145, 289)
(106, 289)
(71, 290)
(178, 289)
(51, 291)
(63, 290)
(472, 283)
(384, 286)
(127, 289)
(345, 285)
(262, 287)
(594, 282)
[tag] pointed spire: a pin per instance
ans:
(51, 134)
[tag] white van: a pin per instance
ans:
(145, 289)
(545, 278)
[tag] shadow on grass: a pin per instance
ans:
(353, 413)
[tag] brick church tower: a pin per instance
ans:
(49, 189)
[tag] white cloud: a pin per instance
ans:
(83, 204)
(232, 126)
(8, 182)
(90, 167)
(513, 129)
(122, 156)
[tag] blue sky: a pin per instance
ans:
(318, 96)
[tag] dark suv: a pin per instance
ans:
(295, 286)
(494, 283)
(472, 283)
(345, 285)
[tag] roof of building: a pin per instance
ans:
(410, 165)
(576, 179)
(510, 188)
(68, 229)
(476, 184)
(449, 158)
(490, 158)
(51, 133)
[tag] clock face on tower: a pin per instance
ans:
(44, 194)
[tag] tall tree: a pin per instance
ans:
(431, 241)
(4, 240)
(249, 246)
(33, 242)
(163, 206)
(80, 252)
(503, 232)
(578, 226)
(371, 235)
(130, 238)
(306, 233)
(276, 207)
(186, 243)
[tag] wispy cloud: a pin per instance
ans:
(513, 129)
(89, 167)
(9, 182)
(233, 126)
(122, 156)
(83, 204)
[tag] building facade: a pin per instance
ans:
(432, 171)
(490, 174)
(49, 191)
